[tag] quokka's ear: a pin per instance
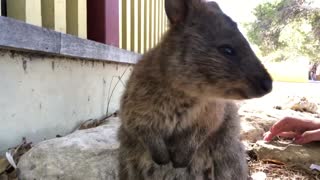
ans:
(178, 10)
(214, 5)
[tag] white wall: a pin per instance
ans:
(43, 96)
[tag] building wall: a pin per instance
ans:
(43, 96)
(133, 25)
(61, 15)
(142, 24)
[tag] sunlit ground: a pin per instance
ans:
(288, 71)
(289, 80)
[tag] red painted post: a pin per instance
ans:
(103, 21)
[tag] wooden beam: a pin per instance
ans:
(103, 21)
(54, 15)
(128, 25)
(142, 27)
(148, 25)
(77, 18)
(3, 7)
(152, 11)
(131, 30)
(60, 15)
(120, 25)
(112, 22)
(82, 14)
(135, 32)
(33, 12)
(97, 21)
(25, 10)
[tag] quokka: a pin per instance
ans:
(178, 118)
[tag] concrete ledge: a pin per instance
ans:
(19, 35)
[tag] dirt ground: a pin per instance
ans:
(273, 171)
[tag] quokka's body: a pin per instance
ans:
(178, 118)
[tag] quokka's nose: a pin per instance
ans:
(266, 85)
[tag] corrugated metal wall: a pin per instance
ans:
(68, 16)
(142, 23)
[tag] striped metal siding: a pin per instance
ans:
(142, 24)
(68, 16)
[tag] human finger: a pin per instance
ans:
(288, 124)
(288, 134)
(309, 136)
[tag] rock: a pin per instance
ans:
(288, 153)
(304, 105)
(4, 164)
(257, 119)
(92, 123)
(301, 104)
(84, 154)
(254, 125)
(255, 122)
(8, 163)
(259, 176)
(92, 153)
(250, 133)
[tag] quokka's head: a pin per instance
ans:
(206, 54)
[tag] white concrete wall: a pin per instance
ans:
(41, 96)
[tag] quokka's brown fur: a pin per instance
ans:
(178, 118)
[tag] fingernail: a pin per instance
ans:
(268, 139)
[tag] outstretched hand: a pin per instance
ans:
(303, 131)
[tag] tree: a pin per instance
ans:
(285, 29)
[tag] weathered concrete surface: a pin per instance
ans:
(25, 36)
(19, 35)
(84, 155)
(42, 96)
(76, 47)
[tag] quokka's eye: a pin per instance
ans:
(227, 50)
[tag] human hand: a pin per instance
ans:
(303, 131)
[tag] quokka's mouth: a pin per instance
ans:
(252, 92)
(259, 87)
(258, 92)
(237, 94)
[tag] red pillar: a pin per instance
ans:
(103, 21)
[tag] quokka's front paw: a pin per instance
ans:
(181, 148)
(180, 159)
(158, 151)
(160, 157)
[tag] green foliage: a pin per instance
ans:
(285, 29)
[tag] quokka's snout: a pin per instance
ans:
(262, 85)
(259, 84)
(256, 83)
